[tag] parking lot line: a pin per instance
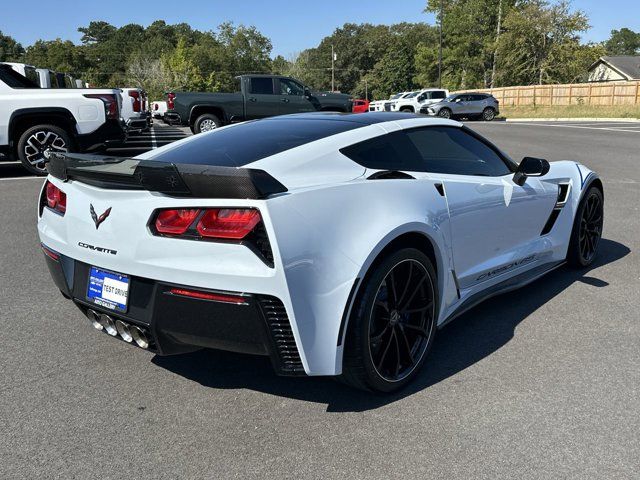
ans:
(535, 124)
(20, 178)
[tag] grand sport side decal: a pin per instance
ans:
(97, 249)
(504, 268)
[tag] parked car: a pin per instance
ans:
(134, 113)
(158, 109)
(385, 105)
(360, 105)
(65, 80)
(465, 105)
(405, 97)
(34, 120)
(256, 96)
(271, 237)
(413, 103)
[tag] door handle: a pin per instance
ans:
(285, 100)
(253, 99)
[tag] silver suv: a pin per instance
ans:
(469, 105)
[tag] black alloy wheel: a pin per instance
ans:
(587, 229)
(400, 320)
(392, 322)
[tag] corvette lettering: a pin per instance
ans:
(97, 249)
(504, 268)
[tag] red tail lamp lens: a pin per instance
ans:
(56, 198)
(216, 297)
(228, 223)
(175, 222)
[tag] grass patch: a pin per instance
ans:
(571, 111)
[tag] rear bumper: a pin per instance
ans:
(111, 133)
(178, 324)
(172, 117)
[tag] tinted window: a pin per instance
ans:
(289, 87)
(248, 142)
(452, 150)
(32, 75)
(437, 94)
(387, 152)
(261, 86)
(14, 80)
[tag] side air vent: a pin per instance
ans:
(389, 175)
(287, 358)
(563, 196)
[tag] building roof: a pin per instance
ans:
(627, 65)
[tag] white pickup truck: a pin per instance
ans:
(34, 120)
(413, 102)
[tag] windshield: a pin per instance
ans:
(450, 98)
(397, 95)
(411, 95)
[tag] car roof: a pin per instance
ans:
(368, 118)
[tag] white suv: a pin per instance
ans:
(413, 103)
(34, 120)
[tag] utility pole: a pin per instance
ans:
(366, 89)
(440, 48)
(333, 70)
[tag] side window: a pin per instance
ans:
(437, 94)
(451, 150)
(289, 87)
(393, 151)
(261, 85)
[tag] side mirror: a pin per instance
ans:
(307, 92)
(530, 167)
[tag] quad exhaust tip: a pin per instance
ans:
(128, 333)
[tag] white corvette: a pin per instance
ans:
(336, 244)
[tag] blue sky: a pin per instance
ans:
(291, 25)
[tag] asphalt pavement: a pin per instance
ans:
(539, 383)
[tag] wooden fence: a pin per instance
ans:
(596, 93)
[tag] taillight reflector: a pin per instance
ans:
(110, 104)
(50, 253)
(229, 223)
(216, 297)
(56, 198)
(175, 221)
(170, 103)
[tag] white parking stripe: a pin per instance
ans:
(20, 178)
(535, 124)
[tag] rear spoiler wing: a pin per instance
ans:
(180, 180)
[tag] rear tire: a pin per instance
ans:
(206, 123)
(392, 323)
(407, 110)
(587, 229)
(36, 140)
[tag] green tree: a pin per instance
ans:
(623, 42)
(539, 42)
(10, 50)
(183, 74)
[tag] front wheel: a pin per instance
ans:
(587, 229)
(206, 123)
(35, 141)
(393, 323)
(444, 113)
(488, 114)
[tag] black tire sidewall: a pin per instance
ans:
(61, 132)
(484, 113)
(574, 257)
(206, 116)
(357, 345)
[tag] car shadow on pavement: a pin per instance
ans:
(470, 338)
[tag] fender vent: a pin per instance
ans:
(282, 339)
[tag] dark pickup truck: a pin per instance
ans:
(256, 96)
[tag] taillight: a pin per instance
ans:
(234, 223)
(110, 104)
(175, 222)
(170, 103)
(55, 198)
(242, 225)
(136, 99)
(216, 297)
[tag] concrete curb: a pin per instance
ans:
(573, 119)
